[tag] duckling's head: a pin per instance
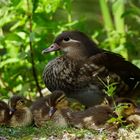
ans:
(17, 102)
(125, 107)
(57, 101)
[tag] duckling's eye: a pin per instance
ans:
(129, 105)
(66, 39)
(59, 100)
(62, 98)
(21, 101)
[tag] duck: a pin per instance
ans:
(98, 117)
(134, 119)
(44, 107)
(4, 113)
(84, 70)
(21, 114)
(128, 110)
(95, 117)
(57, 108)
(125, 107)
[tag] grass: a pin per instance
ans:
(51, 132)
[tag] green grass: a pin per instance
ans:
(50, 131)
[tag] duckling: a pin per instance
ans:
(55, 107)
(4, 113)
(97, 116)
(134, 119)
(91, 118)
(44, 108)
(125, 107)
(20, 114)
(127, 112)
(63, 104)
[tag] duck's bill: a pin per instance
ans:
(53, 47)
(52, 111)
(12, 111)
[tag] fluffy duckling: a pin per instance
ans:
(97, 116)
(128, 110)
(20, 114)
(125, 107)
(91, 118)
(134, 119)
(4, 113)
(44, 108)
(55, 107)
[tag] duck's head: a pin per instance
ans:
(74, 44)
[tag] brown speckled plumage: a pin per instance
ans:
(125, 107)
(128, 110)
(97, 117)
(92, 118)
(4, 113)
(134, 119)
(84, 69)
(41, 108)
(21, 115)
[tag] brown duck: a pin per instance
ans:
(97, 117)
(134, 119)
(128, 109)
(44, 108)
(20, 113)
(91, 118)
(64, 115)
(84, 70)
(125, 107)
(4, 113)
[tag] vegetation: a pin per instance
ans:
(29, 26)
(61, 133)
(44, 132)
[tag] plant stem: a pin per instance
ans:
(106, 15)
(31, 49)
(118, 9)
(108, 22)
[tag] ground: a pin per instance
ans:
(51, 132)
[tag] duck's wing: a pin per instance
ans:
(128, 72)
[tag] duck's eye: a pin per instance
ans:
(66, 39)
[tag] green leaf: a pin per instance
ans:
(15, 2)
(12, 37)
(9, 61)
